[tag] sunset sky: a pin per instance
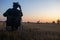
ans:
(34, 10)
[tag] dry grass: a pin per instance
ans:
(29, 35)
(32, 32)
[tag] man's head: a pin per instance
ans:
(15, 5)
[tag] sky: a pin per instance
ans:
(34, 10)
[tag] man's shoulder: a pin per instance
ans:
(9, 9)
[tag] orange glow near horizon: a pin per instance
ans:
(35, 19)
(41, 19)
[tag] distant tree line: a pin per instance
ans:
(58, 22)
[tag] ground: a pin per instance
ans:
(32, 31)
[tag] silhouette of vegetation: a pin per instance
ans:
(38, 22)
(28, 22)
(58, 21)
(53, 22)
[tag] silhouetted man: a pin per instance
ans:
(13, 16)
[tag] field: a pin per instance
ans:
(32, 31)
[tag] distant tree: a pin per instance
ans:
(46, 22)
(28, 22)
(53, 21)
(38, 22)
(58, 21)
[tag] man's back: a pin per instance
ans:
(14, 13)
(13, 16)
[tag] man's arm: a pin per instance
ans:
(21, 14)
(20, 11)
